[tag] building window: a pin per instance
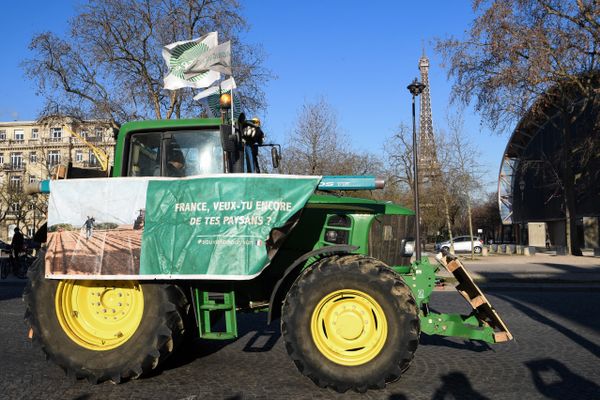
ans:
(32, 179)
(78, 156)
(84, 134)
(15, 207)
(15, 182)
(16, 159)
(53, 157)
(19, 135)
(33, 157)
(1, 158)
(93, 159)
(30, 231)
(56, 134)
(2, 134)
(99, 132)
(35, 133)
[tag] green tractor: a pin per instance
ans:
(335, 270)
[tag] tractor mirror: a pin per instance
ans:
(227, 138)
(275, 157)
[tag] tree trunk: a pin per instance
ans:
(448, 222)
(569, 191)
(470, 226)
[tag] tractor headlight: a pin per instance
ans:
(336, 236)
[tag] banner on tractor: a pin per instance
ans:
(210, 227)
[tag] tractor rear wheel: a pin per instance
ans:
(104, 330)
(350, 322)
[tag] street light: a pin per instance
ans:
(416, 88)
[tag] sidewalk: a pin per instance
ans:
(542, 269)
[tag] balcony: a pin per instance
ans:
(53, 140)
(52, 164)
(91, 164)
(14, 166)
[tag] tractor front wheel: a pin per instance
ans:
(104, 330)
(350, 322)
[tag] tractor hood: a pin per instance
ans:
(357, 204)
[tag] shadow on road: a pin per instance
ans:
(575, 337)
(573, 268)
(263, 339)
(471, 345)
(455, 385)
(11, 291)
(555, 381)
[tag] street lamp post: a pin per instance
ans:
(416, 88)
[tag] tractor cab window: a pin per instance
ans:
(145, 154)
(176, 154)
(190, 153)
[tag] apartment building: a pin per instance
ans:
(30, 151)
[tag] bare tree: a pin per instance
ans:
(399, 156)
(14, 204)
(464, 171)
(535, 55)
(487, 216)
(316, 145)
(445, 184)
(110, 65)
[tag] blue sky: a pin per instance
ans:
(359, 57)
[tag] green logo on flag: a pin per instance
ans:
(183, 56)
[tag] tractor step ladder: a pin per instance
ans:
(482, 308)
(210, 307)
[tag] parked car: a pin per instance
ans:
(461, 243)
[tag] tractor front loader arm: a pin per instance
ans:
(483, 323)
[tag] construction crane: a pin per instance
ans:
(100, 154)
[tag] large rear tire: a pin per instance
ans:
(350, 322)
(103, 330)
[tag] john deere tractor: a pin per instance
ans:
(201, 235)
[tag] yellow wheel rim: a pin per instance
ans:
(99, 315)
(349, 327)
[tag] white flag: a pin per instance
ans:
(179, 56)
(225, 86)
(215, 59)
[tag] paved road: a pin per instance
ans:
(555, 355)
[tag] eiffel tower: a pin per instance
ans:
(428, 163)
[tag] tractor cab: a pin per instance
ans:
(191, 147)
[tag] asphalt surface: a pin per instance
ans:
(554, 355)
